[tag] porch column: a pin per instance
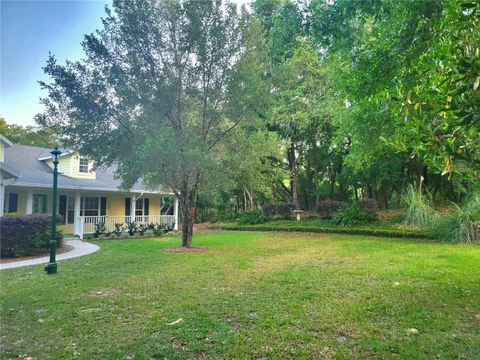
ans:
(76, 214)
(132, 207)
(175, 212)
(29, 206)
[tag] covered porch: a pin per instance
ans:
(81, 210)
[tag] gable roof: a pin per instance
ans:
(36, 173)
(5, 140)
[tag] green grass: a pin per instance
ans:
(253, 295)
(378, 228)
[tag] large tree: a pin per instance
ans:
(162, 88)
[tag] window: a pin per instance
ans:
(39, 205)
(12, 203)
(66, 208)
(90, 206)
(142, 207)
(83, 165)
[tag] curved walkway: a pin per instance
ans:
(80, 248)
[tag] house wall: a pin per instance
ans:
(75, 174)
(2, 156)
(115, 201)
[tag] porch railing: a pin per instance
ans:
(86, 224)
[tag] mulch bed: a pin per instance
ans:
(187, 250)
(61, 250)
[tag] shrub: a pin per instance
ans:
(353, 215)
(419, 210)
(283, 210)
(269, 210)
(118, 230)
(100, 228)
(327, 207)
(142, 228)
(252, 217)
(132, 228)
(26, 235)
(370, 205)
(462, 225)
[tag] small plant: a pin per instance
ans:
(118, 230)
(284, 210)
(132, 228)
(142, 228)
(252, 217)
(353, 215)
(100, 228)
(327, 207)
(419, 210)
(461, 225)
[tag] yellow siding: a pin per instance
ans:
(1, 151)
(76, 174)
(116, 205)
(64, 165)
(154, 205)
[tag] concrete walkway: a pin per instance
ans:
(80, 248)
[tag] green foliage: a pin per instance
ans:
(461, 225)
(283, 210)
(100, 228)
(118, 230)
(33, 136)
(132, 228)
(353, 215)
(419, 210)
(252, 217)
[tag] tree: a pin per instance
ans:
(162, 89)
(29, 135)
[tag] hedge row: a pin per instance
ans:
(331, 230)
(26, 235)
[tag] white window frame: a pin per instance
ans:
(82, 205)
(81, 167)
(142, 207)
(45, 205)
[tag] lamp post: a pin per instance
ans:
(51, 268)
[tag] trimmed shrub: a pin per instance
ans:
(132, 228)
(118, 229)
(283, 210)
(252, 218)
(26, 235)
(369, 205)
(326, 208)
(100, 229)
(353, 215)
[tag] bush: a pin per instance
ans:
(118, 230)
(26, 235)
(370, 205)
(326, 208)
(100, 228)
(252, 217)
(283, 210)
(463, 225)
(353, 215)
(132, 228)
(419, 210)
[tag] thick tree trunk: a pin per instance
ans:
(292, 160)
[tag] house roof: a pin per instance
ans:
(5, 140)
(36, 173)
(8, 172)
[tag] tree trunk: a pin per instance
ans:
(188, 198)
(292, 160)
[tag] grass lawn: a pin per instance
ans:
(253, 295)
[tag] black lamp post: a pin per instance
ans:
(51, 268)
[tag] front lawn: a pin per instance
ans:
(253, 295)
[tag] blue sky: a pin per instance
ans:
(29, 31)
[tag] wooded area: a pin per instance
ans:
(293, 101)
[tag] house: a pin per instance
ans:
(86, 196)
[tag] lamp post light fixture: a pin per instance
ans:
(51, 268)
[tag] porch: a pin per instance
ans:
(87, 224)
(81, 210)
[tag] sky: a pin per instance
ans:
(29, 30)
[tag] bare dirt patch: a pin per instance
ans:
(62, 250)
(187, 250)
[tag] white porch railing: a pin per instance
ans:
(86, 224)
